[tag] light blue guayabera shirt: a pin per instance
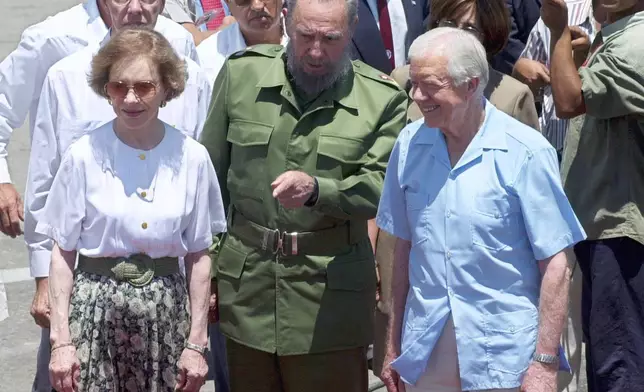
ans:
(477, 231)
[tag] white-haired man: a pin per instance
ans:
(475, 201)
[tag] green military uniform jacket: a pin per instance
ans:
(323, 298)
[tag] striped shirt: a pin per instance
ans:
(538, 48)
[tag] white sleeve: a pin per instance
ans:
(64, 212)
(208, 217)
(178, 11)
(44, 161)
(21, 75)
(205, 93)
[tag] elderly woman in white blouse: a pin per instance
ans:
(130, 199)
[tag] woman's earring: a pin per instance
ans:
(109, 101)
(162, 104)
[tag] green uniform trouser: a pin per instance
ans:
(259, 371)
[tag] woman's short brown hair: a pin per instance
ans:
(137, 42)
(493, 16)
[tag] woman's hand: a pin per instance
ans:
(192, 371)
(64, 369)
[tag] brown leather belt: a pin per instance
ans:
(320, 242)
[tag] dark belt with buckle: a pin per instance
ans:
(320, 242)
(137, 269)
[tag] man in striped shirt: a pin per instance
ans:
(533, 66)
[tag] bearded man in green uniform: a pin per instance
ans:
(300, 139)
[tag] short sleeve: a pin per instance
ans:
(64, 211)
(613, 85)
(207, 217)
(549, 219)
(392, 216)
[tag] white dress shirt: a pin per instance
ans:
(42, 45)
(214, 50)
(399, 28)
(109, 199)
(68, 109)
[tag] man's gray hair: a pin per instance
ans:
(466, 57)
(352, 9)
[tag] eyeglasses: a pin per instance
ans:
(142, 90)
(465, 27)
(124, 2)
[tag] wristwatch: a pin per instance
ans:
(546, 359)
(195, 347)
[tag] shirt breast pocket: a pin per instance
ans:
(247, 173)
(495, 222)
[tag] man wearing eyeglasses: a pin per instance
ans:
(67, 108)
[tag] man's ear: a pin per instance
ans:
(473, 85)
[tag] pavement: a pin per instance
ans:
(19, 336)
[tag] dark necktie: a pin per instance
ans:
(385, 31)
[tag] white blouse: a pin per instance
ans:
(109, 199)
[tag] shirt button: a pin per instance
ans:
(144, 194)
(448, 254)
(144, 225)
(450, 292)
(141, 156)
(449, 213)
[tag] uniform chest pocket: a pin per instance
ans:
(339, 155)
(249, 148)
(496, 222)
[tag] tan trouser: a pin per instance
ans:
(258, 371)
(441, 373)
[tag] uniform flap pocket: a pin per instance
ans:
(512, 322)
(341, 149)
(249, 133)
(230, 261)
(350, 276)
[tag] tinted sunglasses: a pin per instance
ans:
(119, 90)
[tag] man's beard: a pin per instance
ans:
(312, 85)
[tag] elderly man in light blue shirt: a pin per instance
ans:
(480, 285)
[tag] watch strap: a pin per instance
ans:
(546, 358)
(195, 347)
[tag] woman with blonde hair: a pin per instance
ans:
(130, 199)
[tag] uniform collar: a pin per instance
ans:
(275, 76)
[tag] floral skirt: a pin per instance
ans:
(128, 338)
